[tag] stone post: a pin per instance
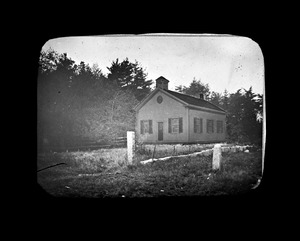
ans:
(217, 157)
(130, 146)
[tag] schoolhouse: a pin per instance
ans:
(165, 116)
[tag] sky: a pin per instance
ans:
(222, 61)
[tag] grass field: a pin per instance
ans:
(105, 173)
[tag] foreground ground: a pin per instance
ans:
(93, 174)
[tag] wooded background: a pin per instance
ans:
(77, 103)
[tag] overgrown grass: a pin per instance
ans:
(102, 174)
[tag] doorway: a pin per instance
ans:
(160, 131)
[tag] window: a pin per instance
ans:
(198, 125)
(210, 126)
(159, 99)
(219, 126)
(175, 125)
(146, 126)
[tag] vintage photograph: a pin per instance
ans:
(150, 115)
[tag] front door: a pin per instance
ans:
(160, 131)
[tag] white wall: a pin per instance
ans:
(169, 108)
(204, 136)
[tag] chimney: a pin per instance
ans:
(201, 96)
(162, 83)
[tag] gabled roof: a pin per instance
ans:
(184, 99)
(194, 101)
(162, 78)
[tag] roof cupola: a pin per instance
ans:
(162, 83)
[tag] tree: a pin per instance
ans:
(109, 118)
(48, 61)
(121, 113)
(224, 100)
(234, 127)
(129, 76)
(216, 98)
(78, 101)
(56, 72)
(195, 88)
(242, 121)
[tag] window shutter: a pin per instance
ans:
(142, 127)
(195, 129)
(222, 126)
(207, 122)
(201, 129)
(150, 127)
(169, 125)
(219, 126)
(207, 126)
(180, 125)
(212, 125)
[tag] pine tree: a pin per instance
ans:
(129, 76)
(195, 88)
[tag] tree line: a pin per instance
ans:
(79, 102)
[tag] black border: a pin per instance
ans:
(257, 201)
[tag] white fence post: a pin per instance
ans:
(217, 157)
(130, 146)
